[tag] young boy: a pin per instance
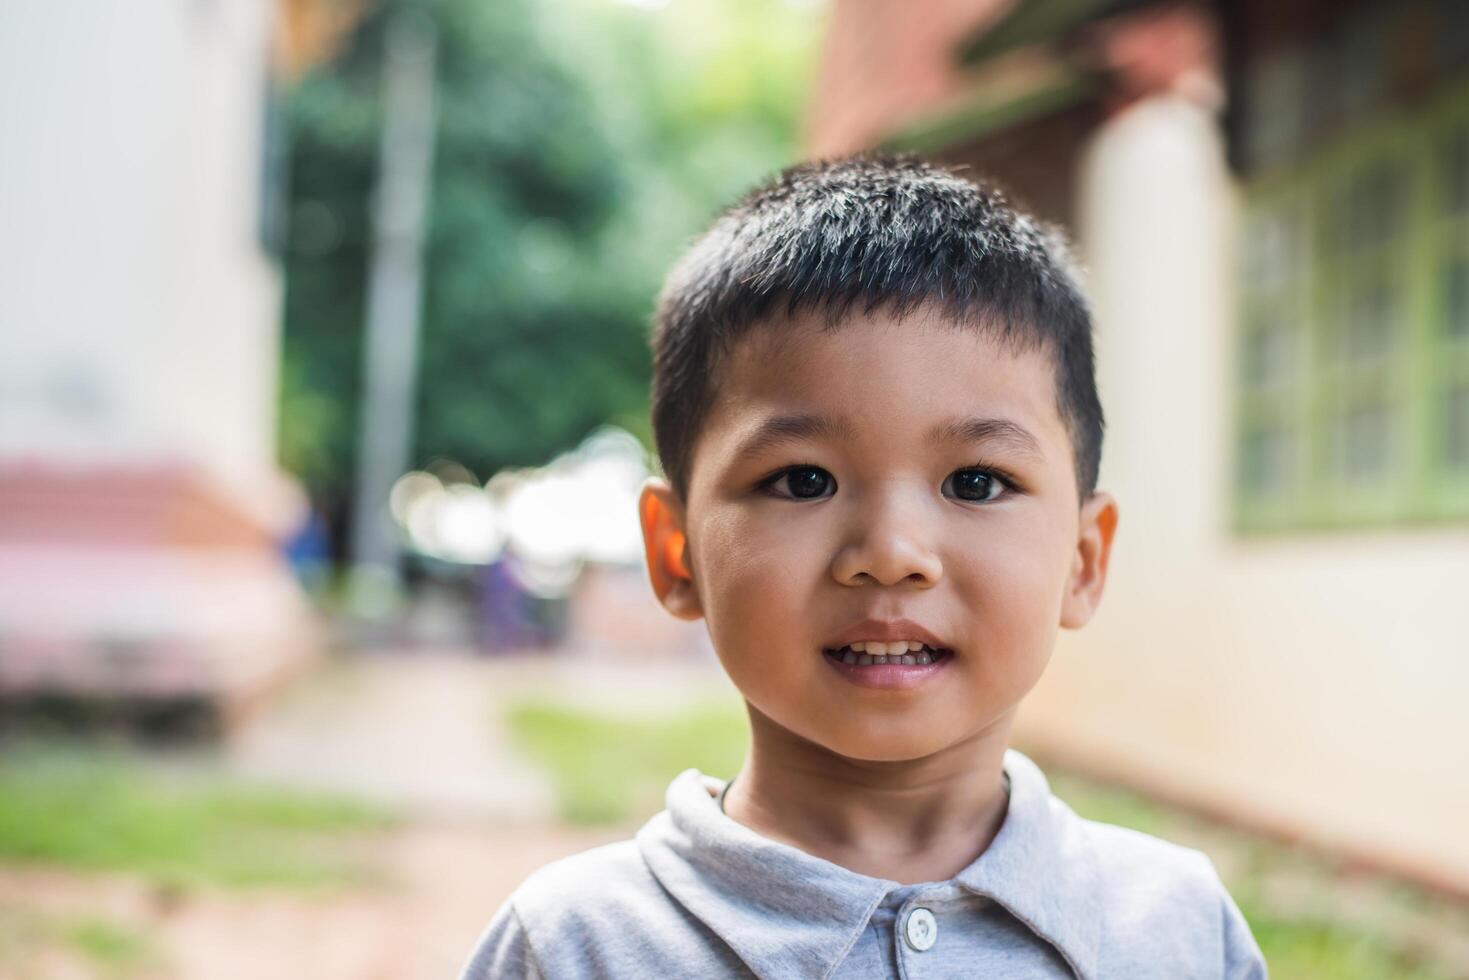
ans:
(875, 404)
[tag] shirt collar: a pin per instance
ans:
(787, 913)
(1040, 867)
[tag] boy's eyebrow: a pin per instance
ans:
(777, 430)
(974, 428)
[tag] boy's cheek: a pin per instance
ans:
(743, 552)
(753, 617)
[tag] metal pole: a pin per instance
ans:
(394, 300)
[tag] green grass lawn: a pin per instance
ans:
(103, 809)
(609, 768)
(613, 768)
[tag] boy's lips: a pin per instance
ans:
(886, 631)
(889, 673)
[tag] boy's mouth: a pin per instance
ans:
(890, 665)
(880, 642)
(874, 653)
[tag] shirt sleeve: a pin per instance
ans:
(1242, 957)
(503, 951)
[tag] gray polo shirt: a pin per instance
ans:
(696, 894)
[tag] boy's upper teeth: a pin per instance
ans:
(877, 648)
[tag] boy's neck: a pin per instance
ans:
(914, 821)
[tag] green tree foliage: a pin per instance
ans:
(579, 144)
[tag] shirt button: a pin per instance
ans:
(921, 929)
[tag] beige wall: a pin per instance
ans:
(1314, 683)
(138, 312)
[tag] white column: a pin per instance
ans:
(1154, 233)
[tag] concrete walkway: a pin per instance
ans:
(418, 731)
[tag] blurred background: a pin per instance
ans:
(323, 410)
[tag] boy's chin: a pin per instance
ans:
(883, 747)
(849, 739)
(886, 756)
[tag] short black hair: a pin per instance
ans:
(885, 231)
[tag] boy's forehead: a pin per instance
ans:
(909, 372)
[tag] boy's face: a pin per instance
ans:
(892, 506)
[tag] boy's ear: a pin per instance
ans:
(1089, 567)
(666, 546)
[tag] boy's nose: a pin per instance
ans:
(887, 548)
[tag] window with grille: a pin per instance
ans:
(1352, 369)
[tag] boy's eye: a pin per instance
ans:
(974, 485)
(802, 482)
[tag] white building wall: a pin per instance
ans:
(138, 312)
(1315, 683)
